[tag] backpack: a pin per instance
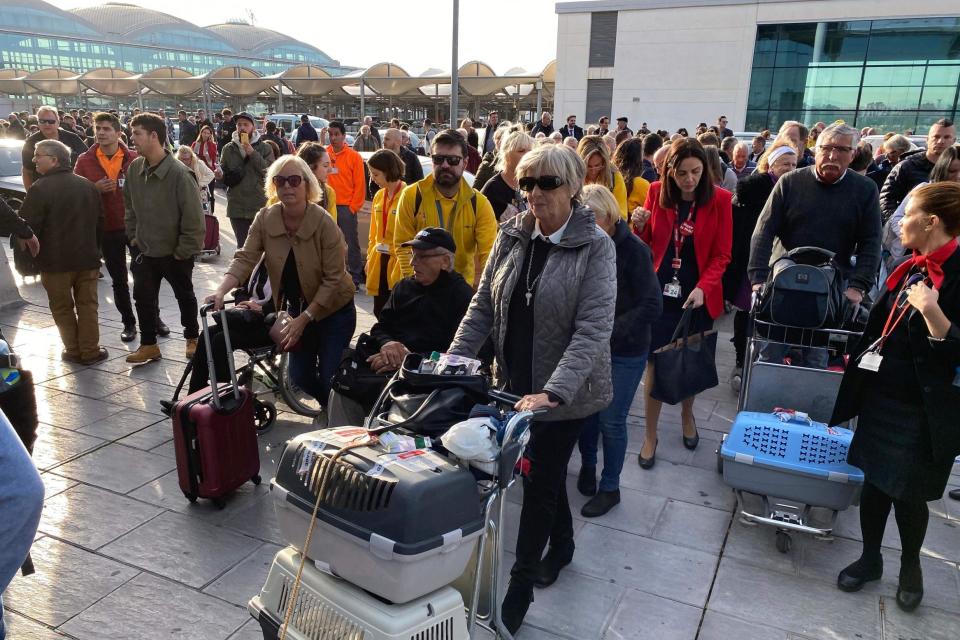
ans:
(804, 290)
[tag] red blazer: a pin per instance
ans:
(712, 238)
(89, 167)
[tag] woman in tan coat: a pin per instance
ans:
(303, 250)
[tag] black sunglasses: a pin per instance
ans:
(439, 158)
(546, 183)
(45, 121)
(293, 181)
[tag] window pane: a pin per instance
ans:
(831, 97)
(919, 39)
(759, 97)
(884, 98)
(795, 48)
(888, 121)
(756, 120)
(942, 76)
(841, 41)
(765, 50)
(834, 76)
(937, 98)
(897, 76)
(787, 88)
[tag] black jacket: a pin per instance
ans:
(576, 133)
(414, 170)
(935, 362)
(639, 299)
(188, 132)
(69, 138)
(909, 172)
(752, 193)
(11, 224)
(547, 129)
(424, 319)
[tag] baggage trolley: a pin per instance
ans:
(769, 382)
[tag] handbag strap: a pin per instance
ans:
(683, 327)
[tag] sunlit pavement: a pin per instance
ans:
(121, 554)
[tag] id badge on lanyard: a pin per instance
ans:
(871, 359)
(680, 234)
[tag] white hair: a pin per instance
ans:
(557, 136)
(47, 107)
(836, 130)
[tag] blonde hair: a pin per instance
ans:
(590, 145)
(186, 150)
(313, 186)
(516, 141)
(601, 202)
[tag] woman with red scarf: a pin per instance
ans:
(903, 385)
(206, 149)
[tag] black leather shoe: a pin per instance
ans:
(587, 481)
(129, 332)
(954, 494)
(162, 329)
(600, 504)
(908, 600)
(691, 443)
(515, 605)
(853, 577)
(166, 407)
(647, 463)
(910, 588)
(558, 556)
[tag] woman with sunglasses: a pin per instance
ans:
(902, 386)
(547, 299)
(688, 224)
(601, 170)
(304, 251)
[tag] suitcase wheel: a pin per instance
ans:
(192, 497)
(264, 415)
(218, 249)
(784, 542)
(255, 479)
(220, 503)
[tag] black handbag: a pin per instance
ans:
(686, 365)
(804, 290)
(354, 378)
(23, 262)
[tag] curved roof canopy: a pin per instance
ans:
(11, 82)
(111, 82)
(240, 81)
(172, 81)
(54, 82)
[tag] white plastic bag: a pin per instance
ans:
(472, 439)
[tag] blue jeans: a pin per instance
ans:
(21, 500)
(321, 349)
(611, 423)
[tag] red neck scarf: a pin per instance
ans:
(932, 263)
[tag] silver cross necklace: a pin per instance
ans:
(532, 285)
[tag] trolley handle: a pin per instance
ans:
(231, 365)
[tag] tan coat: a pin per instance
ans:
(318, 248)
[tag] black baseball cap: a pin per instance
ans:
(622, 119)
(431, 237)
(243, 115)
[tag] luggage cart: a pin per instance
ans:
(769, 382)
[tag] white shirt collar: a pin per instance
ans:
(556, 236)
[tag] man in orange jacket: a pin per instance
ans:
(347, 178)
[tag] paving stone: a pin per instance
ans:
(754, 545)
(245, 579)
(21, 628)
(146, 396)
(690, 525)
(256, 518)
(67, 581)
(73, 412)
(717, 626)
(151, 437)
(637, 512)
(926, 622)
(55, 445)
(249, 631)
(642, 563)
(165, 371)
(642, 616)
(91, 517)
(816, 609)
(150, 608)
(121, 424)
(167, 450)
(679, 482)
(117, 468)
(181, 548)
(165, 492)
(575, 605)
(91, 383)
(54, 484)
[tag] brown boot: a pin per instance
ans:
(191, 348)
(146, 353)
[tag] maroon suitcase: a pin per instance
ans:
(214, 433)
(211, 238)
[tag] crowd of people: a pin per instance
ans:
(575, 254)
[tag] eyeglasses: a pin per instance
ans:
(546, 183)
(831, 148)
(293, 181)
(439, 159)
(46, 121)
(41, 155)
(424, 256)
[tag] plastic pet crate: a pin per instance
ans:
(328, 608)
(803, 462)
(397, 525)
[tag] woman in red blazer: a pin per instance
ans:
(688, 224)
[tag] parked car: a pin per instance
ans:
(11, 180)
(916, 142)
(291, 122)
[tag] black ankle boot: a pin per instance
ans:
(515, 605)
(910, 587)
(558, 556)
(854, 576)
(587, 481)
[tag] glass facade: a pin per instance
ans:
(890, 74)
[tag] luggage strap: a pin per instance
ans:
(9, 361)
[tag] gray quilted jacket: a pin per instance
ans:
(573, 308)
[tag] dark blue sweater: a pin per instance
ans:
(639, 299)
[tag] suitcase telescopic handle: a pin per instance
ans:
(231, 366)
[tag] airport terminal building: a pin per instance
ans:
(889, 64)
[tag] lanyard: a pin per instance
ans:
(453, 213)
(891, 325)
(387, 205)
(680, 234)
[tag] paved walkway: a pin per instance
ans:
(122, 555)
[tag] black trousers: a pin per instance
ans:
(247, 331)
(912, 517)
(114, 247)
(240, 228)
(213, 198)
(147, 274)
(545, 514)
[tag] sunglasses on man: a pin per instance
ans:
(546, 183)
(46, 121)
(438, 159)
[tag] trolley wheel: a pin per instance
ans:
(296, 398)
(784, 542)
(192, 497)
(218, 249)
(256, 479)
(264, 415)
(220, 503)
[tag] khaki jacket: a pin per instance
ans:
(318, 248)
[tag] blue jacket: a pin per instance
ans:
(639, 299)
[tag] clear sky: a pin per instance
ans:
(414, 34)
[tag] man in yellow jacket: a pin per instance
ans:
(444, 199)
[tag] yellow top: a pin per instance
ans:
(331, 207)
(638, 194)
(382, 225)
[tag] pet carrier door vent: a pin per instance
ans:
(443, 630)
(817, 449)
(314, 619)
(347, 488)
(767, 440)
